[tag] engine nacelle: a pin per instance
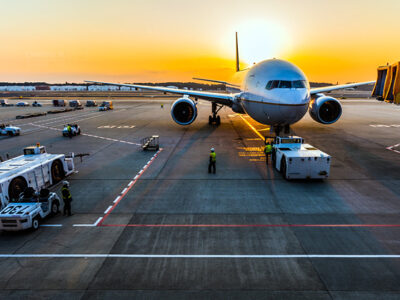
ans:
(184, 111)
(325, 110)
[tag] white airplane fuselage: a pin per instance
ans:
(275, 105)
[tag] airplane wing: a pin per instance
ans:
(337, 87)
(217, 81)
(220, 98)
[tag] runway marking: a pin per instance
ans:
(88, 225)
(117, 126)
(51, 225)
(108, 209)
(56, 118)
(385, 126)
(256, 225)
(252, 127)
(89, 135)
(394, 146)
(206, 256)
(126, 190)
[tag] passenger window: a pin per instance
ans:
(285, 84)
(299, 84)
(269, 85)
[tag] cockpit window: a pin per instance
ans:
(285, 84)
(275, 84)
(299, 84)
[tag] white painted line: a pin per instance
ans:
(124, 190)
(108, 209)
(97, 222)
(51, 225)
(141, 171)
(130, 183)
(116, 199)
(83, 225)
(284, 256)
(134, 178)
(148, 162)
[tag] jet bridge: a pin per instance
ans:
(387, 85)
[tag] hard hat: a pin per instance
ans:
(212, 149)
(66, 183)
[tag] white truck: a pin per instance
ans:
(296, 160)
(10, 130)
(29, 210)
(36, 168)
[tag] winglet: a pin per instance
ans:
(237, 54)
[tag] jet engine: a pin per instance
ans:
(184, 111)
(325, 110)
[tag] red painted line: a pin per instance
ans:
(127, 190)
(251, 225)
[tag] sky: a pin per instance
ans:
(175, 40)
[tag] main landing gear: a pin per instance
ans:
(214, 119)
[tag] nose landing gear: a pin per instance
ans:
(214, 119)
(278, 128)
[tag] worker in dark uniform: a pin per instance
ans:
(67, 198)
(267, 151)
(212, 162)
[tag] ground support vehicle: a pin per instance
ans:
(29, 210)
(296, 160)
(22, 104)
(9, 130)
(36, 104)
(151, 143)
(4, 102)
(90, 103)
(59, 102)
(106, 105)
(75, 130)
(75, 103)
(36, 168)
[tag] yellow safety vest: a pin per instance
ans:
(68, 195)
(213, 156)
(268, 149)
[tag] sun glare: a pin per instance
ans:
(259, 40)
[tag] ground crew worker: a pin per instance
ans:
(162, 105)
(212, 161)
(69, 129)
(67, 198)
(267, 151)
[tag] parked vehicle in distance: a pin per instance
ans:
(59, 102)
(106, 105)
(22, 103)
(37, 104)
(6, 129)
(4, 102)
(75, 103)
(75, 130)
(29, 210)
(91, 103)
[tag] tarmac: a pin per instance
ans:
(155, 224)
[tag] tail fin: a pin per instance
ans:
(237, 54)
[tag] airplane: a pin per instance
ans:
(273, 92)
